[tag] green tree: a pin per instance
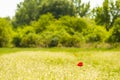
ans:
(115, 32)
(107, 14)
(27, 11)
(82, 9)
(102, 16)
(58, 8)
(30, 10)
(114, 11)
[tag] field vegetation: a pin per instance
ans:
(61, 64)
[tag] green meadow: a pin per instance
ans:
(59, 64)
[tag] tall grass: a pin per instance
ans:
(11, 50)
(60, 65)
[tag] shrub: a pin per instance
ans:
(55, 38)
(21, 34)
(95, 34)
(77, 24)
(45, 38)
(16, 40)
(44, 21)
(30, 40)
(6, 33)
(77, 40)
(58, 34)
(64, 38)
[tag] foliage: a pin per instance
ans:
(102, 16)
(107, 14)
(114, 11)
(24, 36)
(74, 24)
(30, 40)
(58, 8)
(65, 23)
(29, 11)
(115, 32)
(95, 34)
(43, 22)
(6, 32)
(82, 9)
(67, 31)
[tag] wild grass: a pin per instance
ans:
(50, 64)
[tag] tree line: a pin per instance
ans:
(61, 23)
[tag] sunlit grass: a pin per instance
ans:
(48, 65)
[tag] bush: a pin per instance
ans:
(65, 32)
(60, 34)
(95, 34)
(30, 40)
(44, 21)
(45, 38)
(55, 38)
(74, 23)
(23, 34)
(16, 41)
(61, 38)
(64, 38)
(77, 40)
(6, 33)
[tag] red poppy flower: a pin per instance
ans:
(80, 64)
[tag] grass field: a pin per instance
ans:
(59, 64)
